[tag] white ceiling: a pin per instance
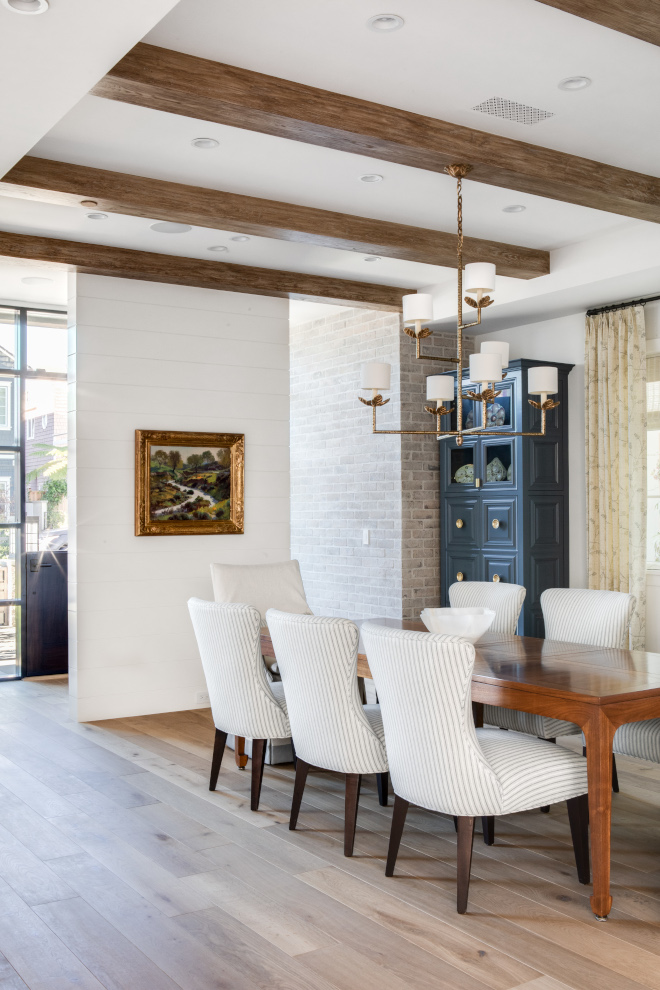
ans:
(50, 61)
(125, 138)
(446, 59)
(14, 290)
(26, 217)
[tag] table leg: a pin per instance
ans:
(239, 752)
(599, 736)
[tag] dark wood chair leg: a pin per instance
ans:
(578, 817)
(455, 823)
(488, 828)
(258, 760)
(218, 751)
(546, 807)
(464, 861)
(396, 831)
(350, 811)
(383, 783)
(302, 769)
(615, 776)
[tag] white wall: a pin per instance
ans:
(150, 356)
(562, 340)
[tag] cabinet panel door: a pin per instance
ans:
(545, 523)
(462, 567)
(462, 522)
(544, 572)
(545, 464)
(499, 519)
(501, 567)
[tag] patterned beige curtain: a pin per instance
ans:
(615, 387)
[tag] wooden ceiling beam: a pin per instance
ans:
(638, 18)
(99, 259)
(116, 192)
(162, 79)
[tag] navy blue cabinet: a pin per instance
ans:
(504, 500)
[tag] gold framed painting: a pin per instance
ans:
(188, 483)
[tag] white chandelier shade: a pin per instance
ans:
(440, 388)
(485, 368)
(500, 347)
(479, 277)
(542, 380)
(376, 375)
(417, 306)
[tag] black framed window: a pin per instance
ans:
(33, 459)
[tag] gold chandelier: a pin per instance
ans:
(487, 368)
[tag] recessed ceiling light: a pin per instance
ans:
(26, 6)
(97, 216)
(371, 177)
(218, 247)
(575, 82)
(88, 202)
(166, 227)
(385, 22)
(372, 257)
(240, 238)
(516, 208)
(35, 279)
(206, 143)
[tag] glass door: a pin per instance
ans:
(33, 459)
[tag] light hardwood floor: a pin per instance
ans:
(119, 869)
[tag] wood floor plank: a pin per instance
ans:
(151, 881)
(180, 956)
(111, 957)
(257, 911)
(9, 978)
(145, 877)
(496, 928)
(35, 953)
(265, 966)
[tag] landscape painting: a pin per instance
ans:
(188, 483)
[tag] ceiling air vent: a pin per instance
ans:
(496, 106)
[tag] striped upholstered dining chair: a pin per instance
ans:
(331, 728)
(506, 600)
(243, 701)
(573, 615)
(439, 761)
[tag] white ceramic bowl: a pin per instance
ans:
(468, 623)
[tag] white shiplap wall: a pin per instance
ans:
(146, 355)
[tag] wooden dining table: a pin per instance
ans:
(598, 689)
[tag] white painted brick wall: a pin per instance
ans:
(344, 479)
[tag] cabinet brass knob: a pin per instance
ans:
(460, 576)
(495, 524)
(496, 578)
(459, 524)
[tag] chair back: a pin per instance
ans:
(317, 659)
(262, 585)
(581, 615)
(506, 600)
(424, 688)
(229, 641)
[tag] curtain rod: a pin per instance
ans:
(623, 305)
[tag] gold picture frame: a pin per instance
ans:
(188, 483)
